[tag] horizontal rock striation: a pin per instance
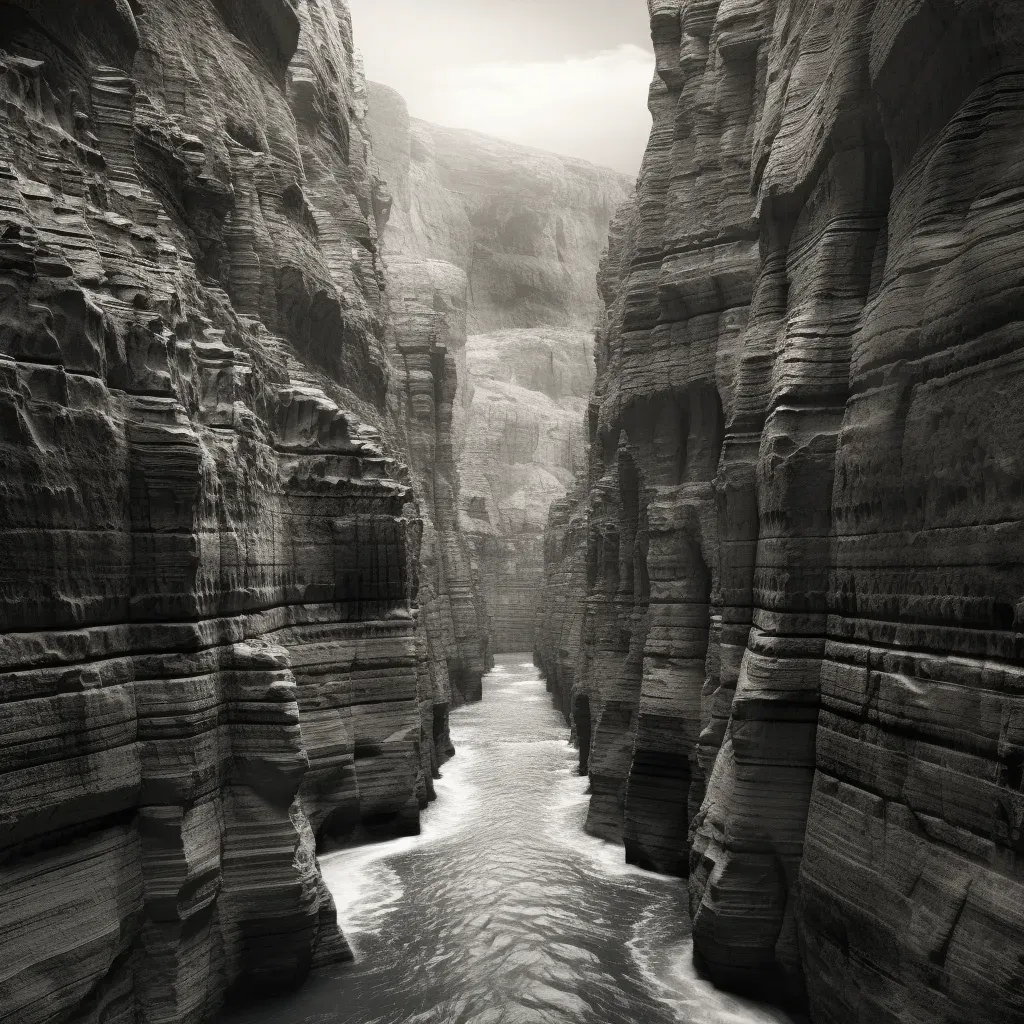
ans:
(502, 243)
(525, 226)
(522, 445)
(428, 333)
(785, 610)
(225, 626)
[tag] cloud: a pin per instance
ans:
(593, 106)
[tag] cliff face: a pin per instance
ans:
(526, 227)
(785, 610)
(227, 611)
(503, 243)
(522, 444)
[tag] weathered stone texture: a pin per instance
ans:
(213, 651)
(501, 242)
(428, 302)
(806, 698)
(522, 444)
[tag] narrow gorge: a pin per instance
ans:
(507, 240)
(319, 421)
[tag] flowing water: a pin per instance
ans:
(504, 911)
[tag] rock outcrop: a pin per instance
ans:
(785, 609)
(231, 619)
(500, 243)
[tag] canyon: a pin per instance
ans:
(310, 408)
(783, 605)
(507, 240)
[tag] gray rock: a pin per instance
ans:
(501, 243)
(226, 632)
(784, 608)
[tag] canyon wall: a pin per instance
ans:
(522, 444)
(502, 242)
(231, 620)
(784, 608)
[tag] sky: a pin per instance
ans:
(569, 76)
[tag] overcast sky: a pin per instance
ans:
(565, 75)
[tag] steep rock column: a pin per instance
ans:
(428, 300)
(692, 297)
(565, 619)
(825, 224)
(686, 266)
(559, 624)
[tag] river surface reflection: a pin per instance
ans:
(504, 911)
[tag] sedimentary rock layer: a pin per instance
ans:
(427, 300)
(526, 227)
(522, 444)
(793, 641)
(501, 242)
(225, 604)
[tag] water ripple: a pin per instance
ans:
(503, 911)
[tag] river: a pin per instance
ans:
(504, 911)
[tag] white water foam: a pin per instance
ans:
(365, 889)
(666, 962)
(566, 816)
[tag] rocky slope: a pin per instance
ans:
(784, 611)
(231, 620)
(503, 242)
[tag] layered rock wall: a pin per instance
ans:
(502, 243)
(522, 444)
(785, 610)
(427, 302)
(227, 609)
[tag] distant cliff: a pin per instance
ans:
(784, 607)
(507, 241)
(523, 442)
(232, 621)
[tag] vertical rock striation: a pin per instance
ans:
(500, 243)
(225, 626)
(784, 611)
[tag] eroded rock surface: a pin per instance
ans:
(227, 608)
(502, 244)
(784, 611)
(522, 444)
